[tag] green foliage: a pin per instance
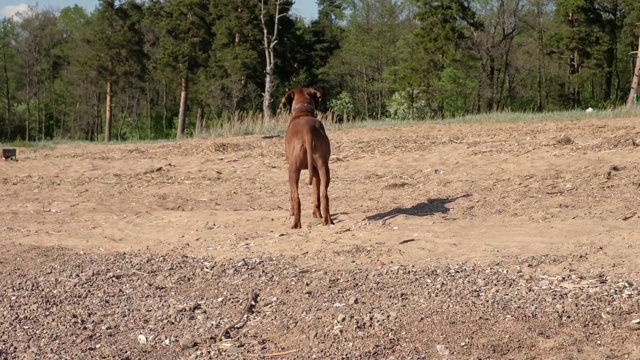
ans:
(446, 27)
(342, 104)
(390, 60)
(456, 88)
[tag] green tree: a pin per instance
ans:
(444, 38)
(236, 62)
(320, 41)
(116, 48)
(185, 44)
(7, 83)
(367, 51)
(587, 34)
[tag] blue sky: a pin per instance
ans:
(305, 8)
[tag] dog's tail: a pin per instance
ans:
(309, 145)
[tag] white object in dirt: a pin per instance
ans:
(589, 110)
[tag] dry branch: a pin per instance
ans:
(275, 354)
(243, 317)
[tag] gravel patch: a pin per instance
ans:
(68, 305)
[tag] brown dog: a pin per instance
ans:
(307, 147)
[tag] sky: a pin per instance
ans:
(306, 8)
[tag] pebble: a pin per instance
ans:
(442, 350)
(187, 342)
(379, 316)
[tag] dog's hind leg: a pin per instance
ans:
(291, 203)
(316, 193)
(294, 179)
(325, 179)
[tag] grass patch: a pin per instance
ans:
(27, 144)
(572, 115)
(253, 124)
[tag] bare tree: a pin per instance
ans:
(634, 83)
(269, 45)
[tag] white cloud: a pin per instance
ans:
(11, 10)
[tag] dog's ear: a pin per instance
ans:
(315, 95)
(287, 99)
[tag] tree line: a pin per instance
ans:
(153, 69)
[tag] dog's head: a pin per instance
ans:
(301, 97)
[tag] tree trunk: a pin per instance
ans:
(366, 93)
(8, 96)
(634, 83)
(269, 45)
(503, 98)
(164, 106)
(107, 115)
(62, 116)
(39, 114)
(379, 105)
(149, 118)
(53, 106)
(268, 89)
(540, 81)
(183, 106)
(200, 120)
(37, 105)
(97, 121)
(28, 100)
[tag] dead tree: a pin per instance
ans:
(269, 45)
(634, 83)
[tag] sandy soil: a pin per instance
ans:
(509, 206)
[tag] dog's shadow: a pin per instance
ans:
(430, 207)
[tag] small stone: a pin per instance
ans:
(353, 300)
(341, 318)
(442, 350)
(242, 263)
(142, 339)
(187, 342)
(379, 316)
(234, 350)
(634, 324)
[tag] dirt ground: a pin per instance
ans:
(451, 241)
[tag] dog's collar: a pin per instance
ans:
(302, 105)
